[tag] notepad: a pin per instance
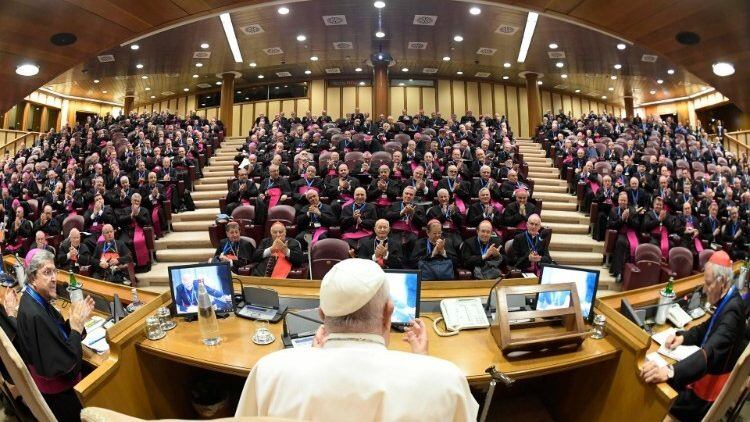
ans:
(655, 358)
(662, 336)
(678, 353)
(96, 340)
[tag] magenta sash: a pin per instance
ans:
(663, 240)
(348, 200)
(317, 233)
(696, 240)
(274, 197)
(632, 240)
(568, 159)
(331, 172)
(168, 191)
(593, 185)
(459, 204)
(303, 189)
(359, 234)
(245, 202)
(155, 222)
(414, 165)
(521, 225)
(52, 385)
(403, 226)
(384, 202)
(139, 244)
(497, 206)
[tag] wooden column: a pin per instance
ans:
(227, 102)
(128, 107)
(629, 110)
(43, 124)
(533, 101)
(380, 90)
(25, 117)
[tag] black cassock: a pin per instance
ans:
(53, 353)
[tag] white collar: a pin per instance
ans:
(365, 340)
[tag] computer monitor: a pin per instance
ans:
(183, 284)
(587, 281)
(626, 309)
(405, 286)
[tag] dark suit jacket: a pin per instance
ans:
(61, 259)
(295, 255)
(235, 195)
(391, 190)
(462, 189)
(472, 256)
(184, 299)
(243, 249)
(418, 217)
(520, 250)
(125, 256)
(420, 253)
(512, 215)
(369, 216)
(395, 254)
(305, 221)
(475, 215)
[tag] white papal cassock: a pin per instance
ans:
(355, 378)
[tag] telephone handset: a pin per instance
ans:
(678, 316)
(461, 314)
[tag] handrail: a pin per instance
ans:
(8, 134)
(736, 146)
(12, 146)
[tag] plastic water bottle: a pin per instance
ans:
(209, 325)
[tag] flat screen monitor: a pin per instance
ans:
(587, 281)
(183, 284)
(405, 286)
(626, 309)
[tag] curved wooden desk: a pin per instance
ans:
(596, 382)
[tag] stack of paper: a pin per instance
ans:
(96, 335)
(678, 353)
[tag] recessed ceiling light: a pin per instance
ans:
(260, 76)
(301, 37)
(404, 69)
(199, 64)
(253, 64)
(506, 65)
(577, 91)
(618, 66)
(195, 76)
(134, 46)
(358, 69)
(659, 81)
(621, 46)
(379, 4)
(670, 71)
(307, 72)
(234, 46)
(27, 69)
(564, 76)
(283, 10)
(539, 82)
(553, 46)
(218, 82)
(506, 77)
(314, 58)
(139, 66)
(204, 45)
(96, 81)
(610, 89)
(559, 64)
(400, 84)
(147, 89)
(604, 97)
(458, 38)
(247, 98)
(459, 72)
(362, 83)
(239, 92)
(475, 10)
(104, 92)
(528, 33)
(446, 59)
(613, 77)
(144, 77)
(652, 92)
(153, 96)
(186, 89)
(380, 34)
(723, 69)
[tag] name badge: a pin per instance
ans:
(384, 196)
(316, 225)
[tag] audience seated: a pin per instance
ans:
(436, 256)
(482, 254)
(528, 251)
(73, 253)
(131, 221)
(111, 258)
(277, 255)
(234, 249)
(314, 219)
(381, 247)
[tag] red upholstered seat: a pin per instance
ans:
(325, 253)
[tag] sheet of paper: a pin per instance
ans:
(96, 340)
(657, 359)
(662, 336)
(303, 342)
(529, 275)
(679, 353)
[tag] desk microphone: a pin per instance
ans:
(489, 296)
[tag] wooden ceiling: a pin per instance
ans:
(168, 62)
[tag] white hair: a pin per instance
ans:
(720, 272)
(366, 319)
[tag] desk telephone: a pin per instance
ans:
(461, 314)
(678, 316)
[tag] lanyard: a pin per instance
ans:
(716, 314)
(44, 304)
(229, 247)
(429, 248)
(450, 184)
(309, 184)
(532, 243)
(634, 195)
(483, 250)
(360, 209)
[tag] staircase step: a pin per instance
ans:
(567, 217)
(575, 242)
(542, 173)
(213, 179)
(159, 274)
(203, 187)
(185, 255)
(559, 206)
(221, 159)
(213, 171)
(565, 228)
(547, 188)
(545, 196)
(537, 161)
(552, 181)
(181, 240)
(206, 203)
(209, 194)
(191, 226)
(200, 214)
(576, 258)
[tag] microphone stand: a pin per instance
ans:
(487, 306)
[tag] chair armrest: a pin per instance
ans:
(167, 207)
(191, 172)
(609, 241)
(464, 274)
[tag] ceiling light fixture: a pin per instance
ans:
(604, 97)
(307, 72)
(613, 77)
(153, 96)
(139, 66)
(506, 65)
(446, 58)
(670, 71)
(458, 38)
(577, 91)
(652, 92)
(358, 69)
(96, 81)
(218, 83)
(506, 77)
(301, 37)
(283, 10)
(621, 46)
(27, 69)
(362, 83)
(134, 47)
(404, 69)
(260, 76)
(564, 76)
(723, 69)
(618, 66)
(104, 92)
(539, 82)
(528, 33)
(400, 84)
(380, 34)
(226, 22)
(314, 58)
(379, 4)
(195, 76)
(253, 64)
(610, 89)
(144, 77)
(204, 45)
(199, 64)
(475, 10)
(186, 89)
(553, 46)
(660, 81)
(460, 72)
(147, 89)
(559, 64)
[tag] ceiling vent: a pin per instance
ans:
(122, 77)
(650, 58)
(334, 20)
(173, 75)
(204, 85)
(482, 74)
(167, 93)
(429, 70)
(106, 58)
(417, 45)
(343, 45)
(202, 55)
(556, 54)
(272, 51)
(283, 74)
(486, 51)
(560, 87)
(252, 29)
(506, 29)
(333, 70)
(426, 20)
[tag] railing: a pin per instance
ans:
(12, 145)
(737, 142)
(7, 135)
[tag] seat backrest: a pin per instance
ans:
(602, 168)
(33, 209)
(244, 212)
(703, 257)
(353, 158)
(283, 213)
(647, 252)
(732, 390)
(21, 377)
(70, 222)
(648, 275)
(698, 166)
(681, 262)
(392, 146)
(402, 138)
(325, 253)
(323, 159)
(379, 158)
(249, 239)
(508, 246)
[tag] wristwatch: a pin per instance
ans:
(670, 371)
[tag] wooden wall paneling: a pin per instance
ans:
(567, 103)
(499, 97)
(428, 100)
(317, 97)
(576, 107)
(364, 98)
(333, 102)
(162, 105)
(546, 101)
(472, 98)
(303, 106)
(237, 120)
(557, 103)
(287, 106)
(202, 113)
(260, 108)
(511, 98)
(459, 98)
(247, 120)
(444, 102)
(396, 96)
(274, 107)
(348, 100)
(413, 99)
(181, 102)
(212, 113)
(485, 94)
(523, 112)
(190, 103)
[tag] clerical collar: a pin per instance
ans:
(342, 340)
